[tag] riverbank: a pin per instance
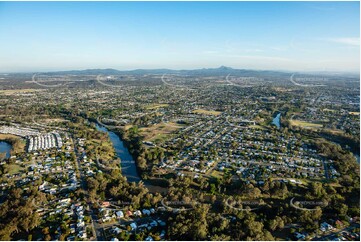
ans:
(5, 149)
(127, 162)
(17, 144)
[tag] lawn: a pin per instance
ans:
(207, 112)
(305, 124)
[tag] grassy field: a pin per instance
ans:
(157, 105)
(53, 120)
(217, 174)
(127, 126)
(335, 131)
(257, 127)
(207, 112)
(14, 168)
(159, 132)
(304, 124)
(328, 110)
(8, 136)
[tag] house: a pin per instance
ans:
(133, 226)
(146, 212)
(117, 230)
(106, 219)
(71, 238)
(161, 223)
(119, 214)
(153, 223)
(138, 213)
(79, 208)
(338, 223)
(143, 226)
(149, 238)
(300, 236)
(82, 235)
(325, 227)
(80, 224)
(105, 204)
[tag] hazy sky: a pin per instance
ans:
(302, 36)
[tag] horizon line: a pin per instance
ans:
(184, 69)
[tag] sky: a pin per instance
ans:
(296, 36)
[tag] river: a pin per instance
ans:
(5, 147)
(277, 120)
(127, 163)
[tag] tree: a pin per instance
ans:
(213, 188)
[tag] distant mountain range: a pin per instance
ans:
(223, 70)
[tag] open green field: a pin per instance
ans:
(14, 168)
(206, 112)
(304, 124)
(157, 105)
(216, 174)
(159, 132)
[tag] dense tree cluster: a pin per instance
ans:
(18, 213)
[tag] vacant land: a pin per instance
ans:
(159, 131)
(354, 113)
(305, 124)
(207, 112)
(14, 91)
(54, 120)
